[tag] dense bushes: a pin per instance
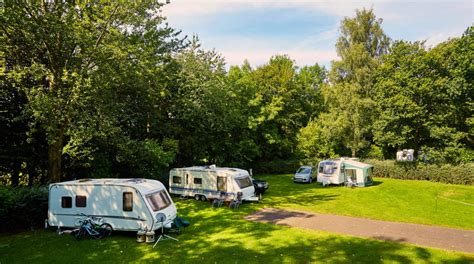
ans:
(276, 166)
(455, 174)
(22, 207)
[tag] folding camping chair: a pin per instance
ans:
(236, 202)
(219, 201)
(349, 182)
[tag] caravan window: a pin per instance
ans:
(321, 168)
(197, 181)
(81, 201)
(159, 200)
(66, 202)
(244, 182)
(127, 201)
(329, 168)
(177, 179)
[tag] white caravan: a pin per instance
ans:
(211, 182)
(345, 171)
(405, 155)
(125, 204)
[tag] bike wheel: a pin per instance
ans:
(106, 230)
(78, 234)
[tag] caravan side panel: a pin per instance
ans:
(121, 206)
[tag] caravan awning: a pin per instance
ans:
(348, 164)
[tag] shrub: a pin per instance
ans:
(275, 167)
(454, 174)
(22, 207)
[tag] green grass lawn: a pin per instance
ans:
(223, 236)
(388, 199)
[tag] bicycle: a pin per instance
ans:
(92, 227)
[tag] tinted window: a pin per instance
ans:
(197, 181)
(244, 182)
(176, 179)
(66, 202)
(159, 200)
(127, 201)
(81, 201)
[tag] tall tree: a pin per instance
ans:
(360, 47)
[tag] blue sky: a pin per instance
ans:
(307, 30)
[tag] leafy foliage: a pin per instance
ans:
(22, 207)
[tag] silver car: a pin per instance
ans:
(305, 174)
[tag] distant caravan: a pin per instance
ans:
(348, 171)
(406, 155)
(211, 182)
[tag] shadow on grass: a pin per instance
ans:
(217, 235)
(375, 183)
(275, 218)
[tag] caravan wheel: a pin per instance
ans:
(203, 198)
(196, 197)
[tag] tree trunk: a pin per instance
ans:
(353, 153)
(32, 174)
(16, 173)
(55, 152)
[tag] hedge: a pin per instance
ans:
(22, 207)
(454, 174)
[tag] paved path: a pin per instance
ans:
(423, 235)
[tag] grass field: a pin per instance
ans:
(419, 202)
(222, 236)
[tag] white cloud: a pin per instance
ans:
(259, 57)
(435, 38)
(319, 38)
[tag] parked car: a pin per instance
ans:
(305, 174)
(260, 186)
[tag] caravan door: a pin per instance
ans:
(221, 184)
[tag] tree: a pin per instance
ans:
(348, 97)
(201, 109)
(282, 103)
(57, 51)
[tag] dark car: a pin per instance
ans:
(260, 186)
